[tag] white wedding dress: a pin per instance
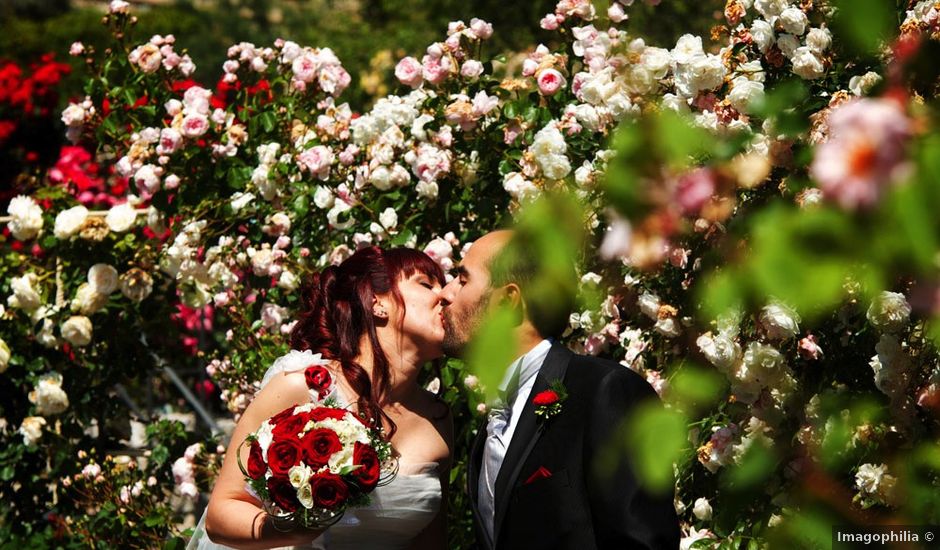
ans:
(397, 513)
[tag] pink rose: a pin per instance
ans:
(435, 69)
(481, 29)
(615, 12)
(695, 188)
(305, 67)
(549, 22)
(471, 69)
(409, 72)
(170, 141)
(334, 79)
(550, 81)
(195, 125)
(317, 160)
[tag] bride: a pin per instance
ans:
(373, 321)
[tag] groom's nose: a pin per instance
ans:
(447, 293)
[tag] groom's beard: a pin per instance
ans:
(460, 328)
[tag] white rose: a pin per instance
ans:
(868, 477)
(762, 363)
(788, 44)
(380, 178)
(240, 200)
(687, 48)
(4, 355)
(389, 218)
(861, 85)
(121, 218)
(87, 301)
(27, 218)
(48, 395)
(146, 179)
(721, 350)
(702, 509)
(744, 93)
(323, 197)
(299, 475)
(519, 188)
(69, 221)
(807, 64)
(31, 429)
(77, 330)
(103, 278)
(889, 311)
(771, 8)
(24, 295)
(779, 321)
(288, 281)
(819, 39)
(333, 215)
(73, 115)
(649, 304)
(793, 21)
(763, 34)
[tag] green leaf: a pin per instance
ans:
(696, 386)
(493, 349)
(268, 121)
(756, 465)
(865, 24)
(655, 438)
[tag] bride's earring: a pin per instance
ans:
(380, 312)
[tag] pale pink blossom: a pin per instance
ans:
(549, 22)
(481, 29)
(809, 349)
(550, 81)
(694, 189)
(435, 69)
(77, 48)
(317, 161)
(333, 79)
(409, 72)
(616, 13)
(195, 125)
(147, 57)
(865, 152)
(471, 69)
(170, 140)
(483, 104)
(306, 66)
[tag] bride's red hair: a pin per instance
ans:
(337, 312)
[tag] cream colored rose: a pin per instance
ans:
(4, 355)
(103, 279)
(77, 330)
(26, 222)
(779, 321)
(69, 222)
(48, 395)
(120, 218)
(24, 295)
(31, 429)
(87, 301)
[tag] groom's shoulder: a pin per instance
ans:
(597, 371)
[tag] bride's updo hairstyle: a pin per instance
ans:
(337, 312)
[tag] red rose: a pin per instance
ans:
(324, 413)
(329, 490)
(256, 465)
(319, 379)
(286, 413)
(283, 493)
(290, 426)
(368, 472)
(319, 444)
(547, 397)
(284, 454)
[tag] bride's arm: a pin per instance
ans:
(434, 536)
(233, 517)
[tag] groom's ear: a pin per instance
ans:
(511, 298)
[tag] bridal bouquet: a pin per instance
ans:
(309, 463)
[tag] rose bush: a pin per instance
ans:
(761, 244)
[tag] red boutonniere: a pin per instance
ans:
(548, 403)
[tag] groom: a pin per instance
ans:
(532, 479)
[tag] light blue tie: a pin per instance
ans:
(494, 450)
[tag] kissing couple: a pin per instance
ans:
(374, 321)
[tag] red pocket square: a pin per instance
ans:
(541, 473)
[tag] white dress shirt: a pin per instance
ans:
(516, 385)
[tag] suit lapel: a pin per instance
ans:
(527, 432)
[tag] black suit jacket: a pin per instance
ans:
(576, 507)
